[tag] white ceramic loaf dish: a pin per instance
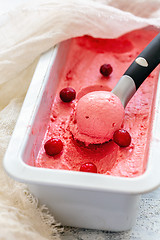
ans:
(76, 199)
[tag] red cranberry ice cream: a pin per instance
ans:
(97, 116)
(97, 121)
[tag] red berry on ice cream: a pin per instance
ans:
(106, 70)
(53, 146)
(67, 94)
(122, 138)
(88, 167)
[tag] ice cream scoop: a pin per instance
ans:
(138, 71)
(98, 114)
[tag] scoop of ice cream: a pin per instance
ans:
(97, 116)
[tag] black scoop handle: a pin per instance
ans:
(138, 71)
(145, 63)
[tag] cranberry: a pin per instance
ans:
(53, 146)
(122, 138)
(67, 94)
(88, 167)
(106, 70)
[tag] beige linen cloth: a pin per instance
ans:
(25, 33)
